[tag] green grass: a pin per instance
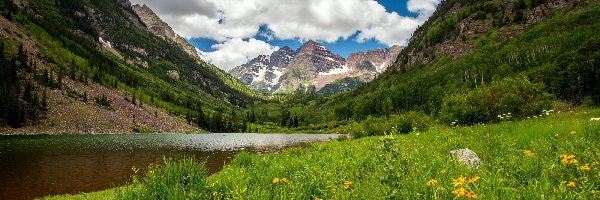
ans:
(399, 166)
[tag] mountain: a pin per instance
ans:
(475, 60)
(107, 67)
(312, 65)
(161, 29)
(373, 60)
(263, 72)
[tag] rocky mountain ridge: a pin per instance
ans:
(161, 29)
(311, 65)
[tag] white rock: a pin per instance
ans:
(466, 157)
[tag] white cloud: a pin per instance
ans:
(424, 7)
(235, 52)
(321, 20)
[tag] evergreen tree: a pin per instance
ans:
(46, 78)
(22, 57)
(59, 81)
(2, 58)
(72, 69)
(13, 110)
(188, 118)
(27, 93)
(44, 103)
(387, 107)
(133, 99)
(34, 107)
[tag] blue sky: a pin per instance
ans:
(228, 33)
(342, 46)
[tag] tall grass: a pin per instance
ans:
(174, 179)
(521, 160)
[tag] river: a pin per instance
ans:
(37, 166)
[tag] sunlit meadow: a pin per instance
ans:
(555, 157)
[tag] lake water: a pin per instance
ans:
(37, 166)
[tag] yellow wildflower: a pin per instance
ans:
(528, 153)
(572, 132)
(586, 167)
(432, 182)
(459, 192)
(574, 162)
(317, 198)
(275, 180)
(595, 163)
(571, 184)
(284, 180)
(471, 195)
(459, 181)
(566, 159)
(473, 180)
(347, 185)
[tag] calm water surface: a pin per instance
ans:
(37, 166)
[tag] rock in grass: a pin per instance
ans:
(466, 157)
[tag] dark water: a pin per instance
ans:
(37, 166)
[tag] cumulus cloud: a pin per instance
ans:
(321, 20)
(423, 7)
(236, 52)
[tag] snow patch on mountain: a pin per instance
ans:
(344, 69)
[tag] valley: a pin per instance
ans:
(512, 85)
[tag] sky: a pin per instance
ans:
(228, 33)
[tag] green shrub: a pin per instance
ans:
(502, 100)
(412, 121)
(403, 123)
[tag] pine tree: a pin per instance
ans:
(59, 81)
(34, 107)
(387, 107)
(22, 57)
(133, 98)
(72, 71)
(44, 102)
(46, 78)
(13, 109)
(27, 93)
(188, 118)
(12, 8)
(2, 58)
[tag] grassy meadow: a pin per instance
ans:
(554, 157)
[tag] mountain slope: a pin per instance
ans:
(161, 29)
(471, 48)
(85, 43)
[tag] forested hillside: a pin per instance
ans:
(73, 43)
(475, 62)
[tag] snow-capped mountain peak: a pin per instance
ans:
(286, 70)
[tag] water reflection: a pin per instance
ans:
(35, 166)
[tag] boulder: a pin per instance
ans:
(466, 157)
